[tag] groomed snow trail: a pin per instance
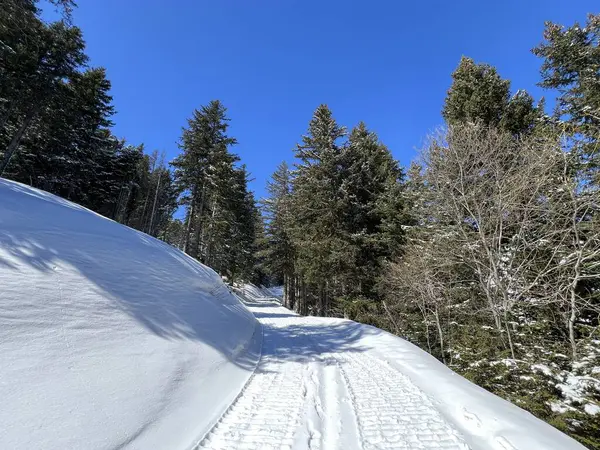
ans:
(317, 388)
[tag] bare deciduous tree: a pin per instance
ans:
(517, 215)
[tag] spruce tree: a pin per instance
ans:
(341, 221)
(221, 212)
(277, 253)
(479, 95)
(55, 119)
(35, 69)
(571, 64)
(315, 205)
(204, 157)
(370, 211)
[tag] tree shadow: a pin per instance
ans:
(260, 304)
(112, 273)
(311, 341)
(105, 268)
(261, 315)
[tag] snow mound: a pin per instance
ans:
(485, 420)
(275, 291)
(110, 338)
(249, 292)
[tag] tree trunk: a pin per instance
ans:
(296, 295)
(386, 309)
(292, 291)
(14, 143)
(199, 227)
(320, 306)
(303, 306)
(286, 291)
(572, 318)
(573, 313)
(509, 336)
(423, 310)
(188, 230)
(440, 332)
(209, 239)
(154, 205)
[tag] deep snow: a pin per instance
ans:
(112, 339)
(109, 338)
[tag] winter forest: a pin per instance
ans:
(485, 252)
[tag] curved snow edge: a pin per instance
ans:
(241, 378)
(116, 339)
(484, 419)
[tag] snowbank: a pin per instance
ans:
(275, 291)
(484, 419)
(250, 292)
(109, 338)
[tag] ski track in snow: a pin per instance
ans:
(311, 390)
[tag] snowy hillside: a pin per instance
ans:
(109, 338)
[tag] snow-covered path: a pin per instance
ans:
(111, 339)
(318, 387)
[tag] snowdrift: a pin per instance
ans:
(485, 420)
(110, 338)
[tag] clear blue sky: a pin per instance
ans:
(273, 62)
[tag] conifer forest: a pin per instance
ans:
(485, 251)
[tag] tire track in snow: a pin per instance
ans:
(347, 427)
(305, 395)
(266, 415)
(393, 413)
(331, 407)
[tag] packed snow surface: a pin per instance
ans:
(111, 339)
(325, 383)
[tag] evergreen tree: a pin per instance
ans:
(204, 160)
(315, 205)
(64, 146)
(521, 115)
(278, 251)
(331, 234)
(37, 63)
(221, 212)
(55, 119)
(572, 66)
(479, 95)
(370, 210)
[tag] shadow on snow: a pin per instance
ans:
(159, 286)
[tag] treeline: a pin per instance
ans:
(222, 221)
(333, 221)
(487, 254)
(55, 120)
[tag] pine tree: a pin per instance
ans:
(316, 193)
(278, 252)
(479, 95)
(205, 156)
(571, 64)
